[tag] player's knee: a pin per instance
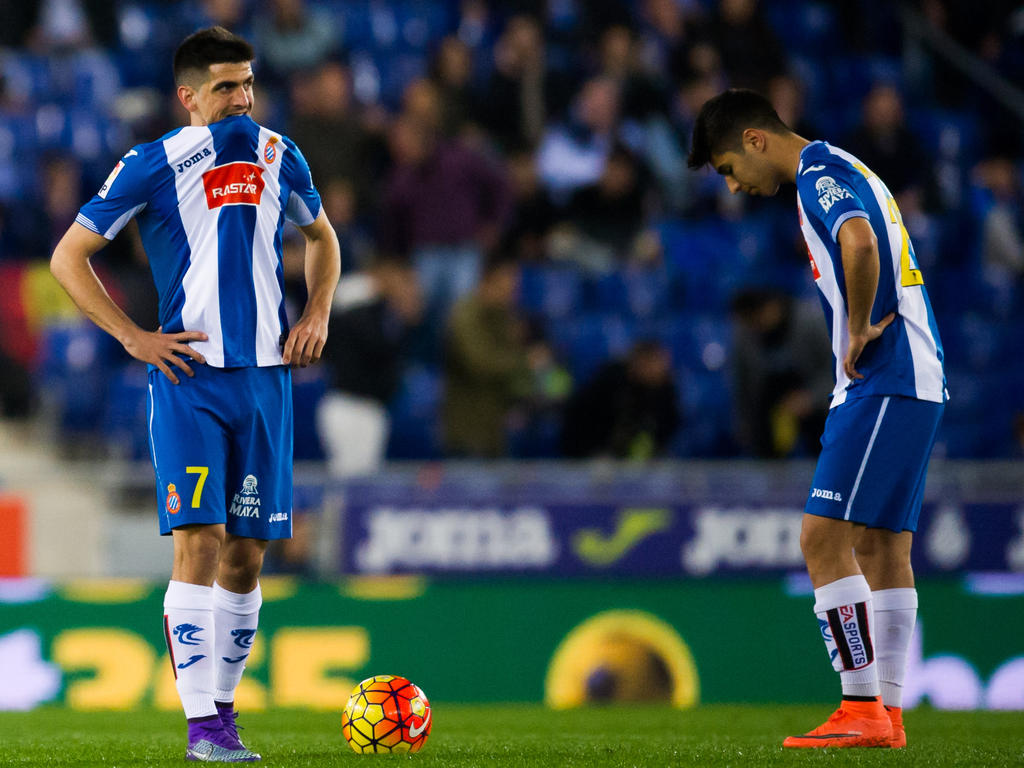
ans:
(814, 543)
(241, 565)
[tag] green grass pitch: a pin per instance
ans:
(522, 736)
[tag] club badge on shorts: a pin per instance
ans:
(173, 502)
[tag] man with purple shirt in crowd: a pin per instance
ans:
(444, 206)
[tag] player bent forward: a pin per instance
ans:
(889, 396)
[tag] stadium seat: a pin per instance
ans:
(415, 429)
(802, 26)
(552, 292)
(125, 429)
(308, 387)
(74, 366)
(591, 340)
(641, 293)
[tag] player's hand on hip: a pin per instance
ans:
(305, 341)
(165, 350)
(860, 340)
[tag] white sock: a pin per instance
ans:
(236, 617)
(843, 608)
(189, 631)
(895, 614)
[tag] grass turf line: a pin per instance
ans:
(523, 736)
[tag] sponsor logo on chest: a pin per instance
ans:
(233, 184)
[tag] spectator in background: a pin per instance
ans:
(619, 60)
(451, 72)
(230, 14)
(751, 53)
(293, 37)
(628, 410)
(523, 94)
(445, 205)
(1001, 211)
(61, 193)
(370, 326)
(536, 423)
(58, 26)
(682, 192)
(782, 374)
(341, 206)
(886, 145)
(605, 219)
(324, 119)
(572, 154)
(486, 369)
(787, 94)
(533, 213)
(672, 40)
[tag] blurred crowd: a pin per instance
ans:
(529, 268)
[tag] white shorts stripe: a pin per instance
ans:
(864, 461)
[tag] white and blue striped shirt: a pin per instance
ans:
(211, 203)
(832, 187)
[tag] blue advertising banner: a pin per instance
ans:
(450, 535)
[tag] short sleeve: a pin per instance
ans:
(303, 205)
(123, 194)
(827, 196)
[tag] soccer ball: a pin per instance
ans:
(386, 713)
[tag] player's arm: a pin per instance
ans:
(860, 268)
(71, 266)
(306, 340)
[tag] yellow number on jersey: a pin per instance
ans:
(198, 492)
(909, 274)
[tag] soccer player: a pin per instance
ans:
(210, 200)
(890, 392)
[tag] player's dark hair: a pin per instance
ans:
(723, 119)
(213, 45)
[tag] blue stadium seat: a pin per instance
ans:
(551, 291)
(592, 340)
(415, 428)
(707, 414)
(640, 292)
(706, 259)
(308, 387)
(26, 75)
(699, 342)
(74, 366)
(801, 25)
(949, 134)
(125, 428)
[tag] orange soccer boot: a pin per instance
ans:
(854, 724)
(899, 735)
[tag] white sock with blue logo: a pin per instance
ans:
(189, 632)
(844, 615)
(895, 614)
(236, 616)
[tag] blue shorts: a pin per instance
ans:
(221, 444)
(873, 462)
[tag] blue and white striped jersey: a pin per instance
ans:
(832, 187)
(211, 203)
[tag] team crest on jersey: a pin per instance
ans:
(246, 502)
(269, 150)
(173, 502)
(233, 184)
(829, 192)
